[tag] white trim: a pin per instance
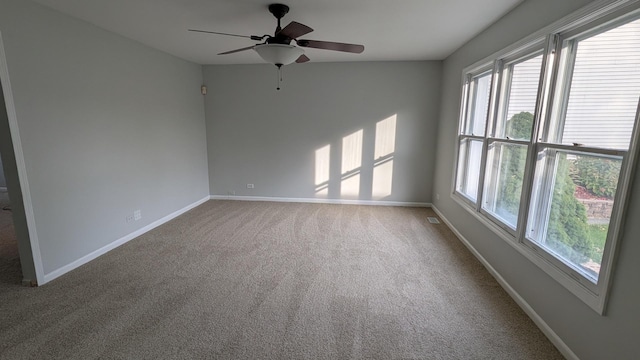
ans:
(21, 167)
(3, 188)
(537, 319)
(103, 250)
(322, 201)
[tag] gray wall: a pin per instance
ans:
(107, 126)
(268, 138)
(589, 335)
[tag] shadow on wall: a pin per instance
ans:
(3, 181)
(365, 169)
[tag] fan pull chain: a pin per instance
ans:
(279, 76)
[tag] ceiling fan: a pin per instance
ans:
(277, 49)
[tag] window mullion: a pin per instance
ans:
(564, 74)
(548, 126)
(504, 90)
(466, 91)
(483, 164)
(496, 88)
(545, 81)
(546, 89)
(471, 101)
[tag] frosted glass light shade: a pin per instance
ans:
(278, 54)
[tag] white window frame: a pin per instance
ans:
(597, 17)
(522, 54)
(462, 136)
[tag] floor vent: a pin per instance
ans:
(433, 219)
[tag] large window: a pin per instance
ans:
(546, 145)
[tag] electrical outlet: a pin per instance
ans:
(231, 193)
(129, 218)
(250, 186)
(137, 215)
(437, 196)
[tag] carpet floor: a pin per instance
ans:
(260, 280)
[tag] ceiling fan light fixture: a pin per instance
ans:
(278, 54)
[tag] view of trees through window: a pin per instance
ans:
(582, 183)
(547, 138)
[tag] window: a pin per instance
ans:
(472, 137)
(546, 145)
(510, 140)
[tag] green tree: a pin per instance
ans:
(567, 232)
(513, 163)
(599, 176)
(519, 126)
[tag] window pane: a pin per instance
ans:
(575, 195)
(478, 105)
(503, 184)
(605, 89)
(521, 89)
(469, 168)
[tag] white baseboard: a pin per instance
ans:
(321, 201)
(103, 250)
(542, 325)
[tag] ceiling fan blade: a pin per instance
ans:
(328, 45)
(252, 37)
(236, 50)
(302, 59)
(294, 30)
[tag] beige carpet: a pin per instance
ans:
(10, 272)
(248, 280)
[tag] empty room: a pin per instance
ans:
(319, 179)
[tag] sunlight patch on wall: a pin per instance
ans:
(382, 180)
(350, 186)
(385, 147)
(385, 137)
(352, 151)
(323, 162)
(351, 163)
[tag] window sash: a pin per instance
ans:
(493, 171)
(471, 113)
(504, 91)
(463, 171)
(539, 207)
(567, 45)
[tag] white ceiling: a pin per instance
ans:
(389, 30)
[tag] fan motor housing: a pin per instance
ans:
(278, 10)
